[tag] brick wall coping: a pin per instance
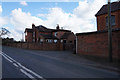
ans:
(95, 32)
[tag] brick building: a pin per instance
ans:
(96, 43)
(102, 19)
(41, 34)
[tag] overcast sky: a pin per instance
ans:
(78, 16)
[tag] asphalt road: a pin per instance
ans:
(21, 63)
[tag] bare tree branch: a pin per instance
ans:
(4, 31)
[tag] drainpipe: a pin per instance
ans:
(76, 45)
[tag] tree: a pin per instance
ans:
(4, 31)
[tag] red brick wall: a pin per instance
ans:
(101, 21)
(45, 32)
(28, 37)
(37, 46)
(71, 38)
(59, 34)
(69, 46)
(96, 44)
(37, 35)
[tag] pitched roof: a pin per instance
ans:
(28, 30)
(48, 36)
(55, 30)
(114, 7)
(42, 28)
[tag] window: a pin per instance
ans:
(55, 41)
(64, 41)
(55, 33)
(112, 20)
(70, 41)
(61, 41)
(41, 40)
(49, 40)
(26, 34)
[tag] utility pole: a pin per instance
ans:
(109, 32)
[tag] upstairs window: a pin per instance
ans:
(25, 33)
(112, 20)
(55, 33)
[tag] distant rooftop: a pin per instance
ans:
(55, 30)
(42, 28)
(28, 30)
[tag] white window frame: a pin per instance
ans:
(41, 40)
(49, 40)
(56, 33)
(61, 41)
(55, 41)
(25, 33)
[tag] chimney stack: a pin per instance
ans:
(57, 26)
(33, 25)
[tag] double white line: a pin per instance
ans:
(29, 73)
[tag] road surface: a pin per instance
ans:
(21, 63)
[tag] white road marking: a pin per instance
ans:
(15, 64)
(7, 58)
(23, 69)
(27, 74)
(30, 71)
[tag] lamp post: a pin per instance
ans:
(109, 32)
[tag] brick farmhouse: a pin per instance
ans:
(96, 43)
(41, 34)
